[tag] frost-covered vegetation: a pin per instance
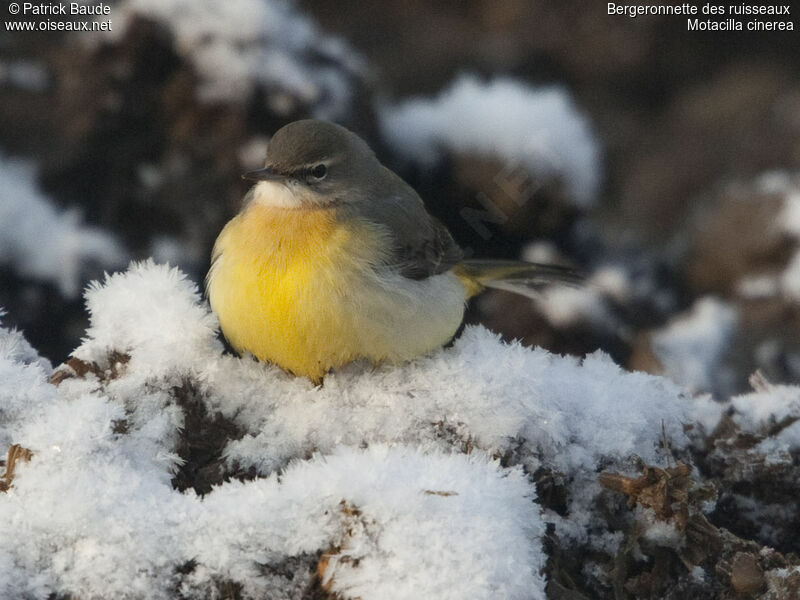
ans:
(413, 479)
(159, 466)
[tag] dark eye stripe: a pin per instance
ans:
(317, 172)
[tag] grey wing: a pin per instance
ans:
(433, 252)
(421, 245)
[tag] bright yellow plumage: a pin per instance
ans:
(297, 287)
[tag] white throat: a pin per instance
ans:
(277, 194)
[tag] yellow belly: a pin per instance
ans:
(296, 287)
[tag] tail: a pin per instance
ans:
(516, 276)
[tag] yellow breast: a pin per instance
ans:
(296, 287)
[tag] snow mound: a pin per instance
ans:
(413, 480)
(40, 241)
(539, 128)
(238, 44)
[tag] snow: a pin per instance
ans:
(22, 386)
(790, 216)
(692, 346)
(758, 286)
(251, 154)
(707, 412)
(758, 410)
(699, 574)
(462, 504)
(790, 278)
(784, 184)
(237, 45)
(563, 306)
(771, 413)
(787, 222)
(537, 127)
(399, 467)
(120, 535)
(24, 74)
(40, 241)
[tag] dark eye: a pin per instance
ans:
(319, 171)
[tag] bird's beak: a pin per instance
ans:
(266, 174)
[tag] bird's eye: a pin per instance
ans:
(319, 171)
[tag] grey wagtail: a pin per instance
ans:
(333, 258)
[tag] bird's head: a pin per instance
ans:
(315, 164)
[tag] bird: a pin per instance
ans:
(333, 258)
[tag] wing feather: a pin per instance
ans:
(421, 246)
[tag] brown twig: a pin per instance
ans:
(15, 453)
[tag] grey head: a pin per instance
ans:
(320, 162)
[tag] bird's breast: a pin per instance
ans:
(299, 288)
(277, 283)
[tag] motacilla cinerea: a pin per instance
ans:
(333, 258)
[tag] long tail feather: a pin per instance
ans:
(527, 279)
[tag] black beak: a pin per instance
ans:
(265, 174)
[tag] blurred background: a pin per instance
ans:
(661, 162)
